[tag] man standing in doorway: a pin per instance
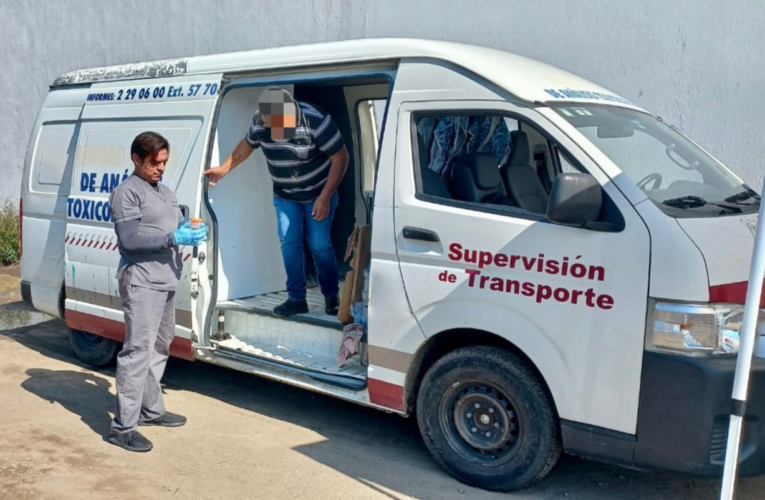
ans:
(146, 219)
(307, 159)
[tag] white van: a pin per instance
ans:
(552, 268)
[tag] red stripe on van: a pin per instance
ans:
(179, 348)
(733, 293)
(102, 245)
(21, 227)
(187, 257)
(386, 394)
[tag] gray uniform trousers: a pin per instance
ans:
(149, 330)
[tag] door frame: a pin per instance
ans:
(244, 79)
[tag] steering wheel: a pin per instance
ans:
(671, 151)
(655, 177)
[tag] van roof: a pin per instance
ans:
(525, 78)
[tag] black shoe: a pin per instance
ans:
(291, 307)
(166, 420)
(131, 441)
(331, 305)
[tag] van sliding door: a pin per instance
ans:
(181, 109)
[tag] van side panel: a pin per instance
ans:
(673, 278)
(45, 187)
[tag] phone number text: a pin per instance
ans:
(159, 92)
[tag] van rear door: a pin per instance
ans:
(181, 109)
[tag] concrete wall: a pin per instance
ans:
(697, 63)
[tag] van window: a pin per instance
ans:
(491, 163)
(53, 157)
(369, 114)
(485, 161)
(103, 153)
(566, 165)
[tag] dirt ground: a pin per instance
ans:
(247, 438)
(9, 284)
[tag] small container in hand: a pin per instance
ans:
(196, 223)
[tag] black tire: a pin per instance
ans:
(488, 419)
(93, 349)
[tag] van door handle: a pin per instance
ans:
(416, 233)
(184, 211)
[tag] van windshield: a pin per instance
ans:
(676, 175)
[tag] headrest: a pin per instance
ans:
(520, 155)
(484, 168)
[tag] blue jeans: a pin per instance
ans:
(292, 219)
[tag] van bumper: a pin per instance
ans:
(683, 419)
(684, 414)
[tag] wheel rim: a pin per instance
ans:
(481, 422)
(90, 340)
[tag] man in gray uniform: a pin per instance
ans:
(147, 219)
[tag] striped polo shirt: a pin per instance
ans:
(299, 167)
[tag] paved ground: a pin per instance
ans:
(246, 438)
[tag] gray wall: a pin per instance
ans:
(697, 63)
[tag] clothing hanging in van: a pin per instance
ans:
(453, 136)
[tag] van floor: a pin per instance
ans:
(265, 303)
(306, 342)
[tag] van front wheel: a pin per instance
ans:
(93, 349)
(488, 419)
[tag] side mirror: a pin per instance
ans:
(575, 200)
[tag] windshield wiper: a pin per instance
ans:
(690, 201)
(742, 196)
(685, 202)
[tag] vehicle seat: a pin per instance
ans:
(475, 178)
(433, 184)
(521, 179)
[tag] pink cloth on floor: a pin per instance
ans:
(349, 347)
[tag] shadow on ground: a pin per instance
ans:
(82, 393)
(372, 447)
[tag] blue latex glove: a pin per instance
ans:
(184, 235)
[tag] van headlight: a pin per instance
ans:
(695, 330)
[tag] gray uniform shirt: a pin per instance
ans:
(156, 208)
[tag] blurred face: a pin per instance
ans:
(279, 113)
(151, 169)
(282, 126)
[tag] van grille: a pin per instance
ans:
(719, 441)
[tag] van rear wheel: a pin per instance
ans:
(93, 349)
(488, 419)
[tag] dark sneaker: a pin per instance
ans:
(131, 441)
(291, 307)
(331, 305)
(166, 420)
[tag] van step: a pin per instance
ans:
(351, 375)
(259, 329)
(264, 305)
